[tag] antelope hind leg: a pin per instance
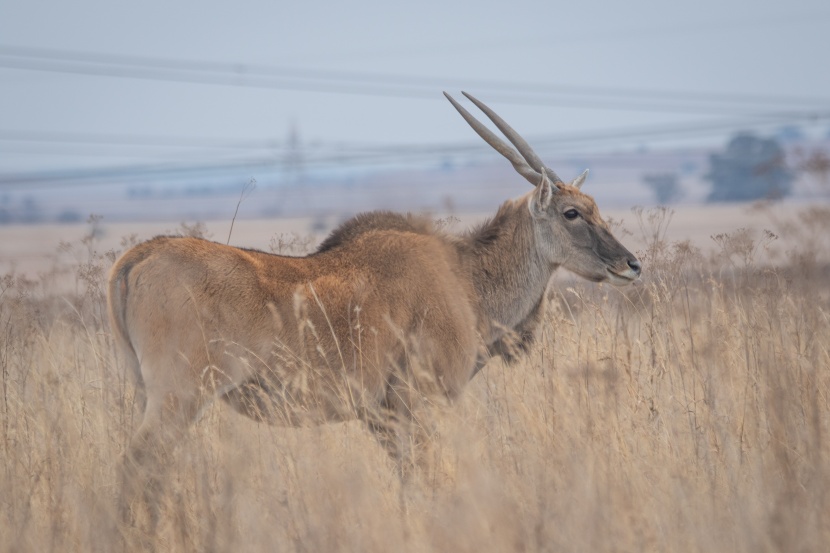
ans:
(142, 477)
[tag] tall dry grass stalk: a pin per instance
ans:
(689, 413)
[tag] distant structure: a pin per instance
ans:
(290, 190)
(293, 159)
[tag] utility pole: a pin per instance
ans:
(294, 169)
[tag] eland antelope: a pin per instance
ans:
(337, 334)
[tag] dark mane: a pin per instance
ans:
(491, 229)
(375, 220)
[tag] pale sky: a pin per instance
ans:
(361, 72)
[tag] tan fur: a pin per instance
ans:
(388, 308)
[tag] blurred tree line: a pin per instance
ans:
(750, 168)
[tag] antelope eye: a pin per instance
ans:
(571, 214)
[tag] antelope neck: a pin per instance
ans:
(507, 268)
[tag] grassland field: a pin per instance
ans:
(688, 413)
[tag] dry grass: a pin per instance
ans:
(690, 413)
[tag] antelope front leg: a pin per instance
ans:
(402, 424)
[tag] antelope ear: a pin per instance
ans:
(542, 196)
(578, 181)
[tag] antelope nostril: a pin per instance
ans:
(635, 265)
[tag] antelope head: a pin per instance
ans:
(567, 226)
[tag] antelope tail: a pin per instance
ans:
(117, 307)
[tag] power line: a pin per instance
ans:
(246, 69)
(358, 83)
(362, 83)
(324, 157)
(113, 139)
(128, 146)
